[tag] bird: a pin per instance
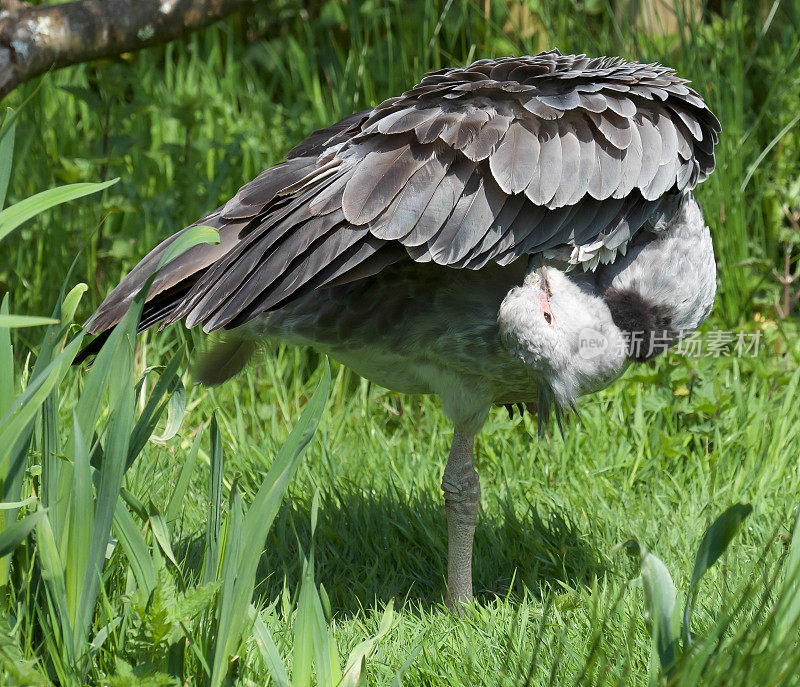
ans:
(519, 230)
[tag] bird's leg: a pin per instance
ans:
(462, 493)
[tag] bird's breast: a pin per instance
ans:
(413, 329)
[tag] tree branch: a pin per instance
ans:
(34, 39)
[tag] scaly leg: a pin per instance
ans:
(462, 494)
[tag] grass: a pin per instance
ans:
(657, 457)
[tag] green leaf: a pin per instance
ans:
(146, 424)
(13, 535)
(115, 454)
(161, 533)
(21, 212)
(192, 236)
(357, 658)
(266, 647)
(264, 508)
(135, 548)
(176, 407)
(70, 303)
(215, 497)
(176, 499)
(713, 544)
(27, 405)
(81, 524)
(6, 363)
(6, 154)
(233, 545)
(659, 596)
(787, 612)
(53, 574)
(18, 321)
(397, 680)
(303, 649)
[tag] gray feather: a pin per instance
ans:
(468, 223)
(669, 138)
(516, 159)
(651, 150)
(547, 175)
(480, 147)
(615, 129)
(631, 165)
(400, 217)
(441, 204)
(570, 165)
(378, 179)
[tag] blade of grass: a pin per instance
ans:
(185, 476)
(264, 508)
(17, 531)
(6, 153)
(713, 544)
(20, 321)
(21, 212)
(211, 569)
(266, 647)
(135, 548)
(81, 525)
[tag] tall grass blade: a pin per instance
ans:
(193, 236)
(135, 548)
(713, 544)
(109, 480)
(16, 532)
(211, 567)
(264, 508)
(52, 570)
(6, 363)
(304, 621)
(787, 614)
(20, 321)
(6, 153)
(27, 404)
(185, 476)
(81, 525)
(659, 596)
(167, 385)
(266, 647)
(231, 554)
(21, 212)
(358, 656)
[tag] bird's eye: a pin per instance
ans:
(548, 317)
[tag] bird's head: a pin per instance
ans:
(563, 332)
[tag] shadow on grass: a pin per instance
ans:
(377, 545)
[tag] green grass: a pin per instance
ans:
(656, 457)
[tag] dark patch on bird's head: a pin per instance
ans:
(645, 324)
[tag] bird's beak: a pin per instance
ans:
(537, 278)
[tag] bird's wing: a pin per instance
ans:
(485, 163)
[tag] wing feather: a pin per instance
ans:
(469, 222)
(480, 147)
(490, 162)
(547, 174)
(570, 181)
(441, 204)
(378, 178)
(516, 158)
